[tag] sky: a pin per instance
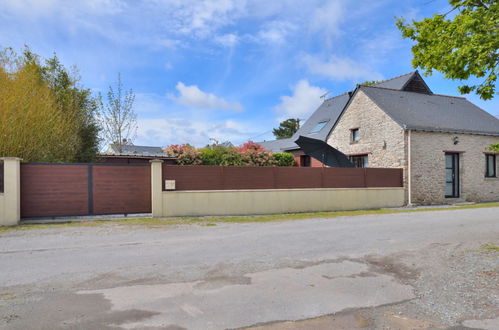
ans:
(228, 70)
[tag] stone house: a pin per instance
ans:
(440, 141)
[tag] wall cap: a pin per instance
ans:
(156, 161)
(11, 158)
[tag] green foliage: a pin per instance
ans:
(73, 98)
(220, 155)
(248, 154)
(286, 128)
(461, 46)
(494, 147)
(284, 159)
(184, 153)
(370, 82)
(253, 154)
(45, 115)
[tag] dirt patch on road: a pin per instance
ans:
(452, 284)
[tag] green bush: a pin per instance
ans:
(284, 159)
(494, 147)
(220, 155)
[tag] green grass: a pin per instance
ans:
(491, 247)
(213, 220)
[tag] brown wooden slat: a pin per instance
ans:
(247, 177)
(121, 189)
(384, 177)
(53, 190)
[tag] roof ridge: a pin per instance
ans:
(398, 90)
(336, 96)
(383, 81)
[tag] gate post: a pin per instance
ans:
(157, 187)
(10, 199)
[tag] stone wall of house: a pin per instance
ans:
(380, 137)
(428, 167)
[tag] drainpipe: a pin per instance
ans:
(409, 185)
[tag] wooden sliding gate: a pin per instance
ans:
(50, 190)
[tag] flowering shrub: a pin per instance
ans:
(249, 154)
(185, 154)
(253, 154)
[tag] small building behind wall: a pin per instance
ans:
(132, 154)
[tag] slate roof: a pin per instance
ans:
(433, 112)
(328, 111)
(132, 150)
(396, 82)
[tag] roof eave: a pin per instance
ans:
(452, 131)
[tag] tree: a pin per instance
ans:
(494, 147)
(33, 125)
(77, 101)
(460, 46)
(286, 128)
(370, 82)
(117, 117)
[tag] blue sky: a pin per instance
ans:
(222, 69)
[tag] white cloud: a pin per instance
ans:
(340, 68)
(304, 100)
(192, 96)
(275, 32)
(163, 132)
(227, 40)
(327, 18)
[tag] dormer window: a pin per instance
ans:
(320, 125)
(354, 135)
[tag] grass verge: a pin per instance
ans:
(213, 220)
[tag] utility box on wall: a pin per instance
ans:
(169, 185)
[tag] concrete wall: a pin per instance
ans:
(10, 199)
(428, 167)
(247, 202)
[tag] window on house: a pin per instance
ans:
(319, 126)
(355, 135)
(305, 161)
(359, 160)
(490, 166)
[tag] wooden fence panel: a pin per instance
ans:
(248, 177)
(384, 177)
(121, 189)
(298, 177)
(236, 177)
(49, 190)
(194, 177)
(343, 178)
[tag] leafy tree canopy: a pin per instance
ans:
(462, 43)
(286, 128)
(370, 82)
(45, 115)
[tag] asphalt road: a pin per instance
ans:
(223, 276)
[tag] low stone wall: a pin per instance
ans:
(269, 201)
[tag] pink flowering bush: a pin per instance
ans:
(253, 154)
(248, 154)
(185, 154)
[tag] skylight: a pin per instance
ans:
(320, 125)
